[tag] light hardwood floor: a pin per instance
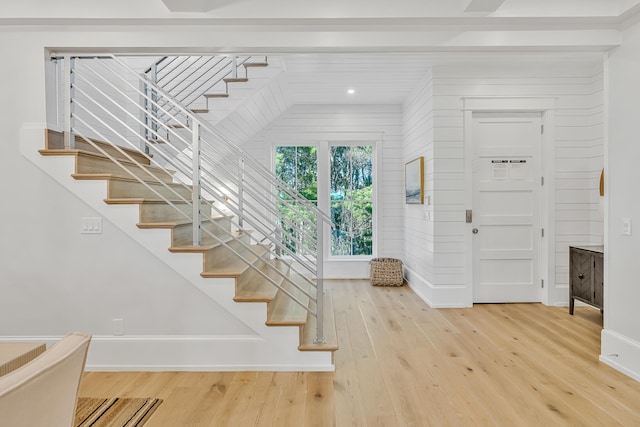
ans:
(402, 363)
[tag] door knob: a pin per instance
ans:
(474, 231)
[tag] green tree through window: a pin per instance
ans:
(351, 190)
(298, 167)
(351, 200)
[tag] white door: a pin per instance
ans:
(506, 208)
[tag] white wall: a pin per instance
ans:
(372, 123)
(621, 334)
(438, 246)
(54, 279)
(419, 228)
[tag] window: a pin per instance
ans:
(349, 180)
(298, 167)
(351, 200)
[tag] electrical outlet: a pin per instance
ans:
(118, 326)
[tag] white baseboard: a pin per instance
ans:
(272, 348)
(621, 353)
(194, 353)
(454, 296)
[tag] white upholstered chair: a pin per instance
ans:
(44, 392)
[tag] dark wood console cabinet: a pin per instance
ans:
(586, 275)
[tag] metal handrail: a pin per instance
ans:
(179, 197)
(255, 165)
(295, 256)
(209, 182)
(202, 79)
(176, 135)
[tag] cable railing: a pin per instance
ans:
(189, 79)
(111, 103)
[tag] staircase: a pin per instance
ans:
(194, 81)
(233, 232)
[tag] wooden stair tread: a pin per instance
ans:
(308, 331)
(175, 223)
(236, 80)
(206, 244)
(139, 201)
(235, 267)
(255, 288)
(80, 152)
(55, 141)
(216, 95)
(111, 177)
(284, 311)
(106, 163)
(255, 64)
(200, 110)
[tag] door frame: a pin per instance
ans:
(546, 107)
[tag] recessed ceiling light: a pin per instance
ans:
(351, 91)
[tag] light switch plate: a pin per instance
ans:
(91, 225)
(626, 226)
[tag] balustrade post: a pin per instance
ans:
(69, 95)
(144, 117)
(320, 338)
(154, 98)
(196, 184)
(241, 194)
(234, 67)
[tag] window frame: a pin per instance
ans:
(324, 199)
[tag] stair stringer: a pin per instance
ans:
(269, 349)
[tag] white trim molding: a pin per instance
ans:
(621, 353)
(436, 296)
(193, 353)
(514, 104)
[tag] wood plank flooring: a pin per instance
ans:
(402, 363)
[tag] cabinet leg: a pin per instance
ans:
(571, 304)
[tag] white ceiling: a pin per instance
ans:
(379, 78)
(435, 31)
(311, 9)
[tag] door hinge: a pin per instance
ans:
(542, 180)
(542, 232)
(542, 283)
(541, 128)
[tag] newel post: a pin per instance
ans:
(69, 95)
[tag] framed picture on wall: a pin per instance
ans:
(414, 181)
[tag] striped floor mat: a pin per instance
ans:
(114, 412)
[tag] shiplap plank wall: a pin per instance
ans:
(578, 158)
(256, 113)
(418, 141)
(579, 162)
(308, 123)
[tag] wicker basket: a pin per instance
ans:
(386, 272)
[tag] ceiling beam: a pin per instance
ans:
(194, 5)
(483, 5)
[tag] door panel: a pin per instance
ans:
(598, 274)
(506, 180)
